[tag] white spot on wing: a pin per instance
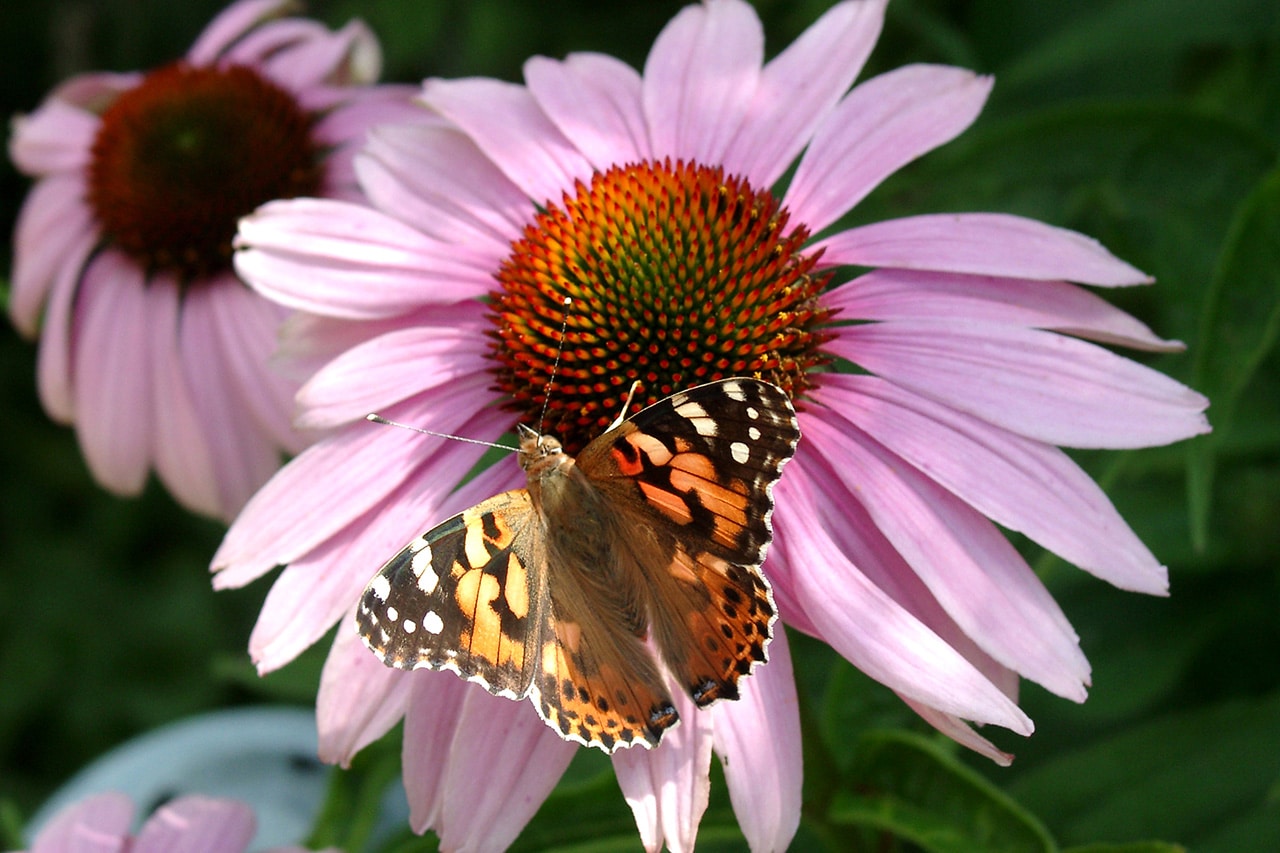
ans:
(380, 587)
(393, 614)
(753, 433)
(753, 413)
(410, 626)
(741, 453)
(432, 622)
(734, 391)
(427, 577)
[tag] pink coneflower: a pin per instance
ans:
(190, 824)
(932, 392)
(149, 343)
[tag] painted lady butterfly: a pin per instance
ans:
(650, 541)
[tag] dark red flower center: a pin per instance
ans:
(678, 275)
(188, 151)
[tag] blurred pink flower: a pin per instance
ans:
(646, 197)
(190, 824)
(149, 343)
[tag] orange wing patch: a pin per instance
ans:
(597, 703)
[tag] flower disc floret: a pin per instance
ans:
(677, 275)
(181, 157)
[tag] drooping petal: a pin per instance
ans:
(1039, 384)
(229, 26)
(966, 563)
(197, 824)
(980, 244)
(346, 260)
(700, 79)
(97, 824)
(493, 762)
(869, 627)
(243, 458)
(594, 100)
(879, 127)
(52, 239)
(504, 120)
(359, 700)
(897, 294)
(180, 448)
(758, 740)
(668, 787)
(110, 382)
(1023, 485)
(959, 731)
(799, 87)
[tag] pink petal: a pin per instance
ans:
(878, 128)
(504, 120)
(493, 762)
(344, 128)
(980, 244)
(371, 376)
(182, 458)
(359, 699)
(97, 824)
(349, 53)
(700, 78)
(196, 824)
(318, 589)
(758, 740)
(261, 45)
(296, 511)
(668, 787)
(960, 732)
(340, 259)
(54, 139)
(247, 328)
(897, 294)
(232, 23)
(438, 181)
(1039, 384)
(864, 623)
(112, 366)
(966, 563)
(1021, 484)
(243, 457)
(54, 234)
(799, 87)
(593, 100)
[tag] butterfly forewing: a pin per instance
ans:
(463, 597)
(700, 468)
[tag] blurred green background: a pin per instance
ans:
(1152, 125)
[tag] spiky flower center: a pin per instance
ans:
(678, 275)
(188, 151)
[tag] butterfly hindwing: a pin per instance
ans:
(463, 596)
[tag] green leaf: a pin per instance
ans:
(1187, 776)
(1239, 328)
(912, 788)
(1134, 847)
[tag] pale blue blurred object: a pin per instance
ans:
(265, 757)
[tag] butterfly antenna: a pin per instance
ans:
(622, 416)
(555, 365)
(379, 419)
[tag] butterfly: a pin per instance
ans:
(636, 559)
